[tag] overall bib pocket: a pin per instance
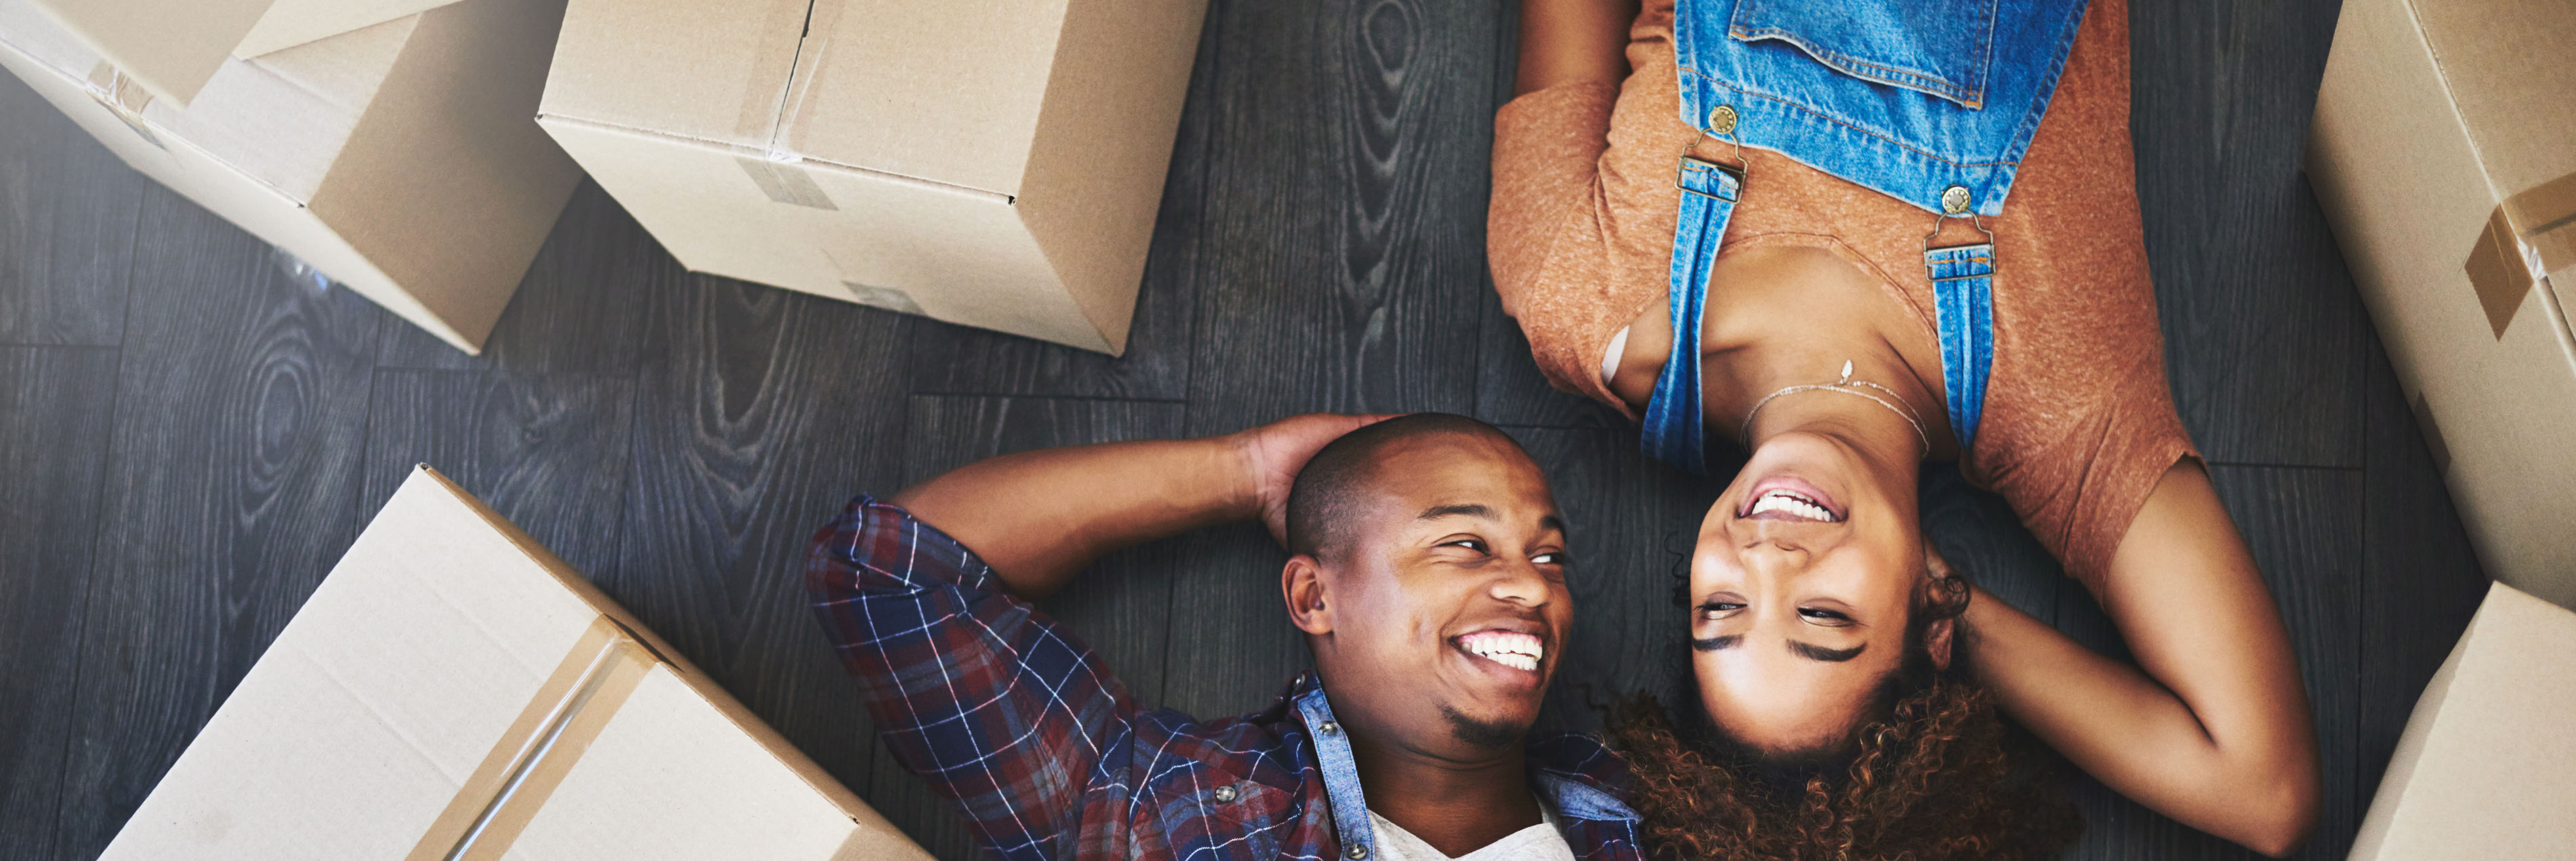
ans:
(1936, 47)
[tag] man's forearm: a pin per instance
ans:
(1040, 516)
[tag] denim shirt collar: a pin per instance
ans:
(1571, 793)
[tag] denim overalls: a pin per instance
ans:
(1932, 102)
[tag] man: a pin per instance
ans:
(1428, 576)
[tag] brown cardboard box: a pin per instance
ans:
(400, 159)
(171, 47)
(2444, 153)
(992, 164)
(2486, 767)
(452, 690)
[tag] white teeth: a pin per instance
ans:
(1793, 505)
(1508, 648)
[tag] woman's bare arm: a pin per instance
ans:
(1569, 41)
(2211, 727)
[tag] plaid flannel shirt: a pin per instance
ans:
(1021, 725)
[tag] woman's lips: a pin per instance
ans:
(1788, 497)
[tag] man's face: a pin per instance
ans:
(1446, 598)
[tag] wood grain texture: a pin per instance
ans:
(546, 451)
(2263, 332)
(2304, 528)
(948, 358)
(67, 227)
(2420, 580)
(758, 413)
(1120, 607)
(1348, 248)
(55, 408)
(580, 308)
(232, 488)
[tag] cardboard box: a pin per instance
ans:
(453, 690)
(400, 159)
(2444, 153)
(172, 47)
(992, 164)
(2486, 767)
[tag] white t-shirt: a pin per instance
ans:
(1539, 842)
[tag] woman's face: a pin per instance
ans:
(1801, 585)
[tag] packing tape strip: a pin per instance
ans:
(2528, 236)
(567, 712)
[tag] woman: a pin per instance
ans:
(1730, 238)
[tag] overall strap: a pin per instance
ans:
(1673, 432)
(1964, 304)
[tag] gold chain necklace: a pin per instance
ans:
(1847, 386)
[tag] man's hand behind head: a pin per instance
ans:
(1273, 453)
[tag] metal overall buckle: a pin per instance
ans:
(1721, 122)
(1955, 204)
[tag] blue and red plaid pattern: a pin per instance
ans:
(1047, 756)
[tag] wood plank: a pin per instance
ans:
(1630, 525)
(953, 359)
(67, 224)
(55, 406)
(578, 309)
(232, 488)
(2420, 576)
(1347, 181)
(546, 451)
(758, 414)
(1121, 606)
(2263, 332)
(2304, 527)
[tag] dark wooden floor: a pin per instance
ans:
(188, 439)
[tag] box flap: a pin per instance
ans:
(710, 70)
(2485, 768)
(2510, 67)
(171, 47)
(284, 118)
(947, 92)
(669, 749)
(294, 22)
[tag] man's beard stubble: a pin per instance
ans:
(1481, 733)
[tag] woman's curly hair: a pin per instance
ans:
(1933, 773)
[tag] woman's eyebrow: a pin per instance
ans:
(1814, 652)
(1711, 644)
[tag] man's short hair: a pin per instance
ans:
(1328, 489)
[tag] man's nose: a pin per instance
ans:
(1520, 583)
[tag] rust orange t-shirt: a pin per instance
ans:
(2078, 423)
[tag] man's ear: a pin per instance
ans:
(1301, 582)
(1937, 638)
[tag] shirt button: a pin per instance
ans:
(1331, 728)
(1354, 851)
(1224, 794)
